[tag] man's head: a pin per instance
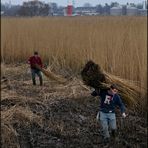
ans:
(114, 88)
(35, 53)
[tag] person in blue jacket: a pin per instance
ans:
(109, 100)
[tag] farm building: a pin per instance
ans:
(116, 11)
(86, 10)
(131, 11)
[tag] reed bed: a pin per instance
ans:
(117, 44)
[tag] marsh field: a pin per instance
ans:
(64, 115)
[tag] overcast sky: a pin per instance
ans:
(78, 2)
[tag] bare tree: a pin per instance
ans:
(34, 8)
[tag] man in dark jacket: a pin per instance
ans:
(35, 65)
(109, 100)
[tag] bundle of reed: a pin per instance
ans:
(93, 76)
(128, 90)
(51, 75)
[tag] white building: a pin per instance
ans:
(131, 11)
(116, 11)
(2, 12)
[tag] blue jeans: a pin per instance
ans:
(107, 120)
(38, 72)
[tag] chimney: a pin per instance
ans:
(144, 5)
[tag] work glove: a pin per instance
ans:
(123, 115)
(97, 117)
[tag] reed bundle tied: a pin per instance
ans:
(93, 76)
(51, 75)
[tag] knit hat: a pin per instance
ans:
(114, 86)
(35, 53)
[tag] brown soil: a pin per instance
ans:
(58, 116)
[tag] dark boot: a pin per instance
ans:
(41, 80)
(33, 76)
(34, 82)
(106, 141)
(113, 133)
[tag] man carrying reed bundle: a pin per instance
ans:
(109, 99)
(36, 65)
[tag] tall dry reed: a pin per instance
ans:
(117, 44)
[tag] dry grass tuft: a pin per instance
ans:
(16, 116)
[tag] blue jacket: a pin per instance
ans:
(109, 101)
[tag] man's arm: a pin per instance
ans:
(95, 93)
(29, 60)
(121, 105)
(41, 63)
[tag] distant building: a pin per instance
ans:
(61, 11)
(131, 11)
(116, 11)
(2, 13)
(86, 11)
(143, 12)
(69, 10)
(53, 8)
